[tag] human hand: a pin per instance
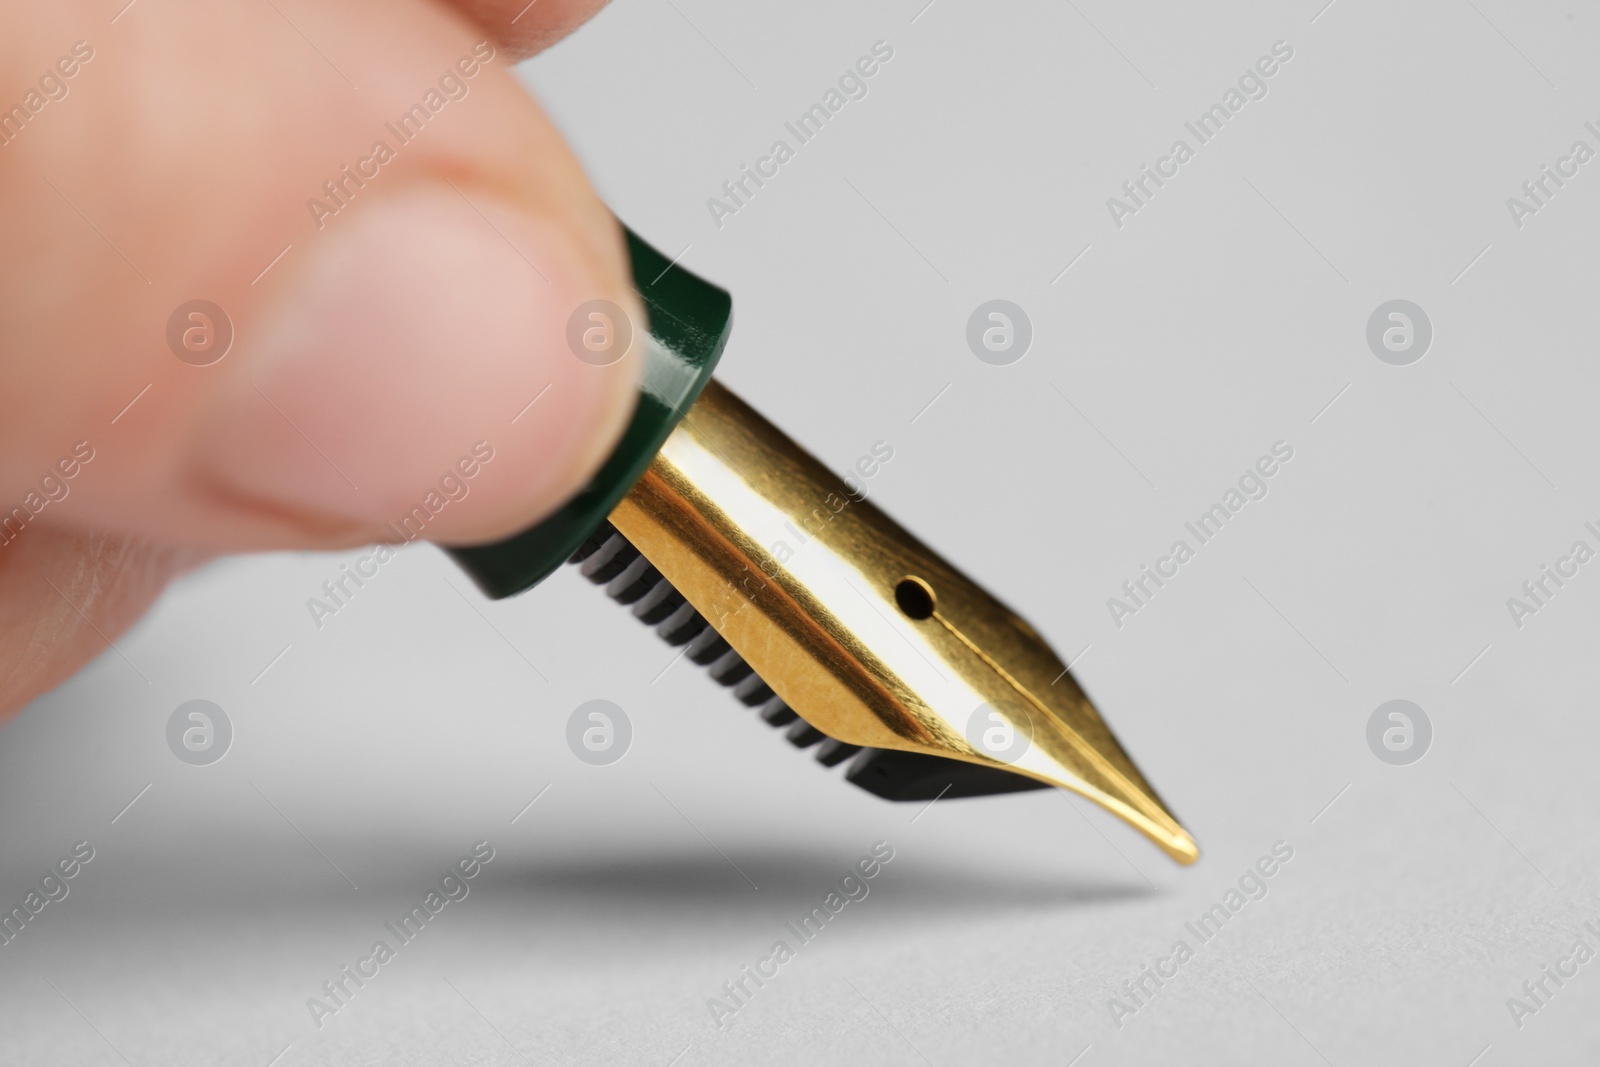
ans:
(167, 151)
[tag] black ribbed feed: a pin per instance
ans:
(609, 559)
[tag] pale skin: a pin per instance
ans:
(412, 323)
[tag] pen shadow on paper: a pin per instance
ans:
(569, 888)
(695, 881)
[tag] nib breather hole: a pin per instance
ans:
(914, 597)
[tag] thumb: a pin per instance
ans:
(329, 252)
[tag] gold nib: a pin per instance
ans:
(858, 627)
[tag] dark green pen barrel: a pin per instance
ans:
(689, 322)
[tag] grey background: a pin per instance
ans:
(1222, 318)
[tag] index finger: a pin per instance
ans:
(524, 27)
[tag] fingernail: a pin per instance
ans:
(415, 335)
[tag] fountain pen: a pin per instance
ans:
(854, 637)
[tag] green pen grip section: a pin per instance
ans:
(689, 321)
